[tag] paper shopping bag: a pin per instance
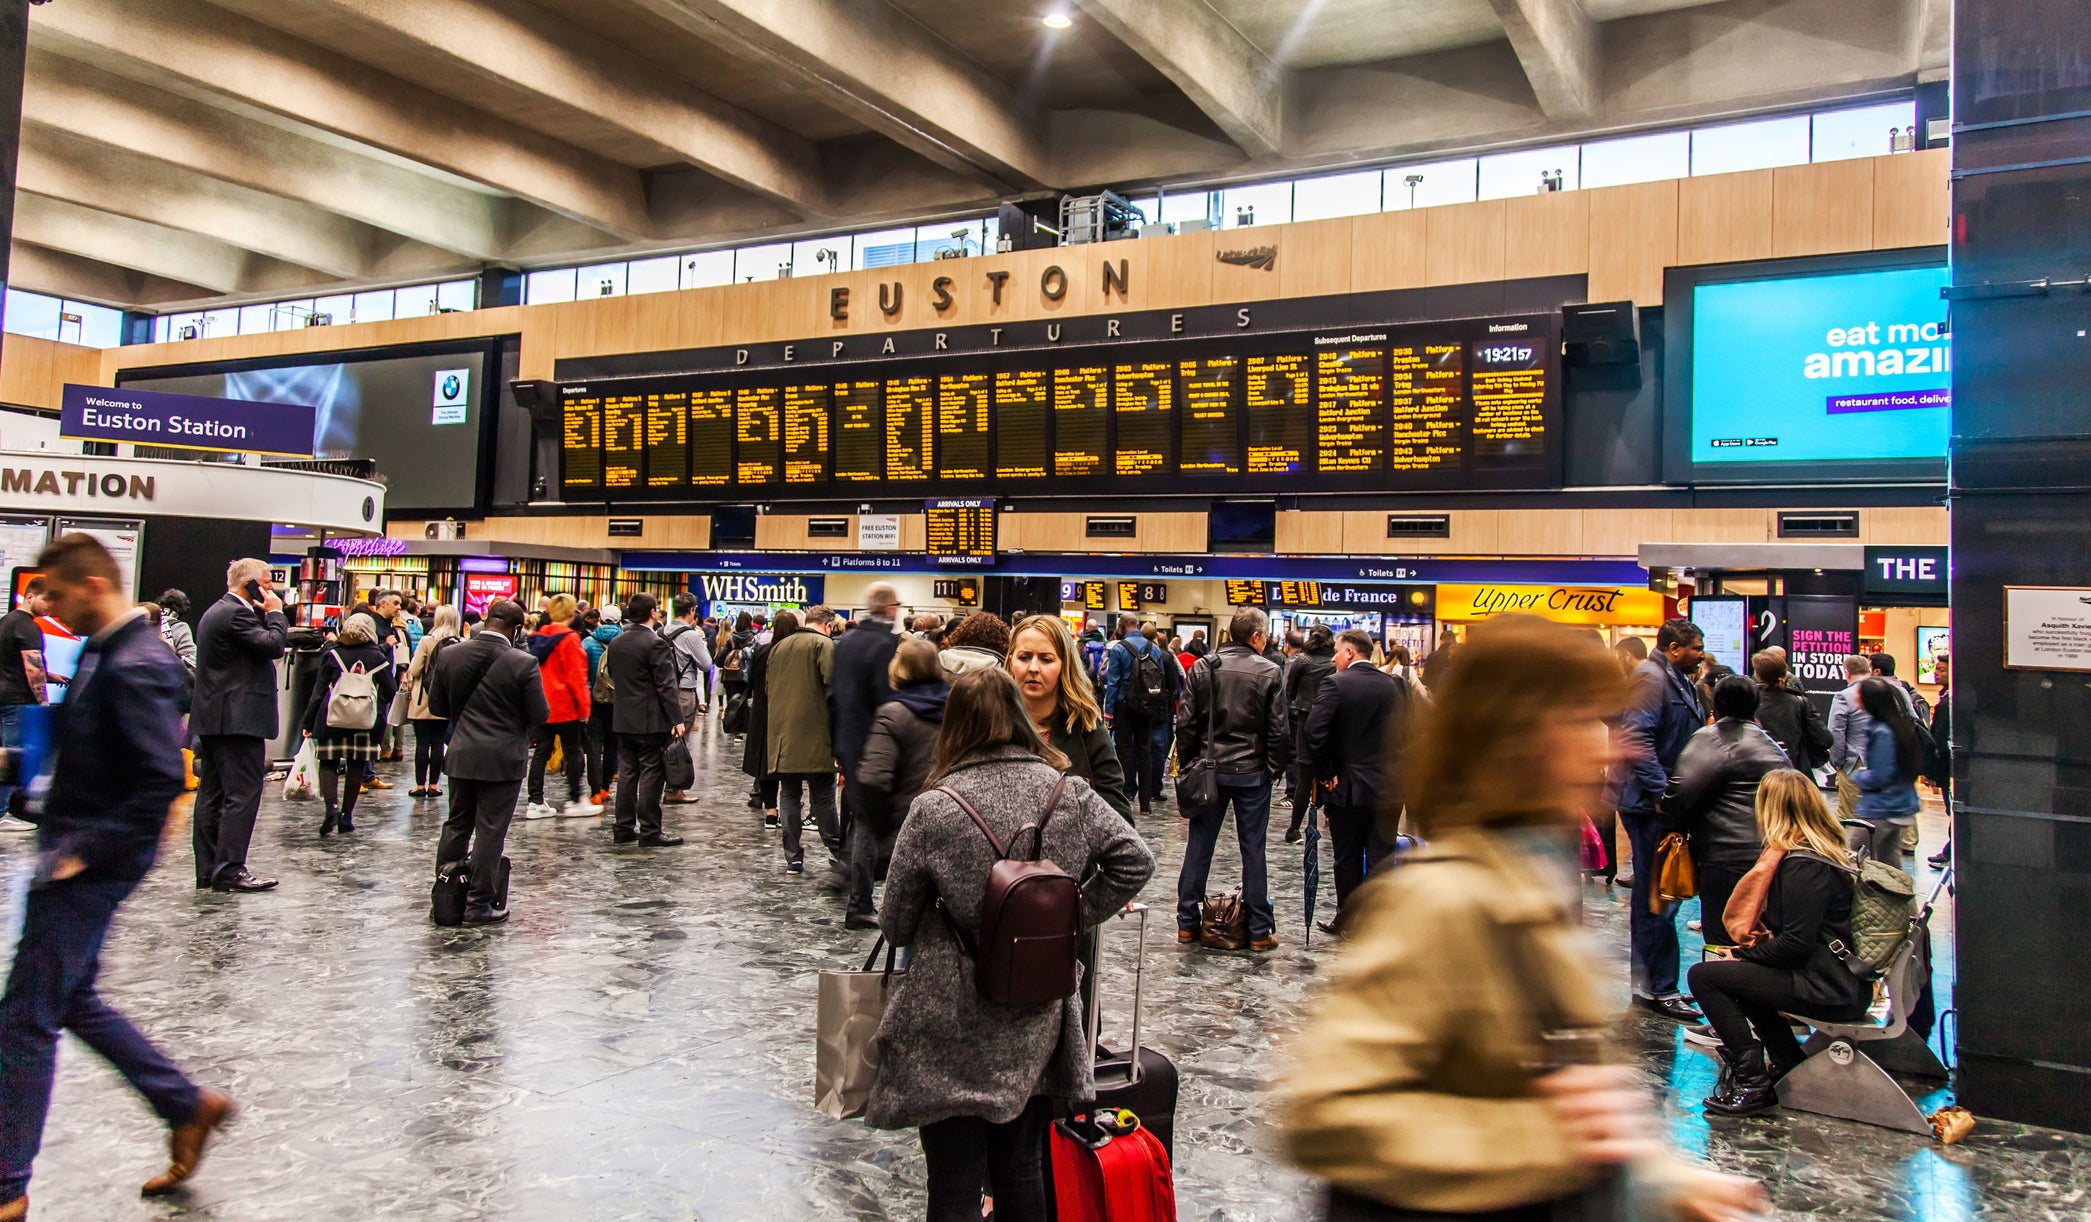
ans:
(846, 1024)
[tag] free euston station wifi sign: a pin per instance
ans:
(191, 422)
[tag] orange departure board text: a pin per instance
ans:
(581, 440)
(1078, 420)
(711, 438)
(911, 405)
(806, 434)
(1023, 404)
(624, 440)
(1509, 391)
(1211, 439)
(758, 447)
(1244, 593)
(1143, 407)
(1281, 426)
(668, 440)
(1350, 392)
(962, 430)
(860, 433)
(960, 531)
(1428, 384)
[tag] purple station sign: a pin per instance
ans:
(191, 422)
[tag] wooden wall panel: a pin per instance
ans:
(1314, 259)
(1724, 218)
(1910, 200)
(1723, 526)
(1820, 209)
(1309, 532)
(1617, 532)
(1389, 250)
(1169, 533)
(1633, 237)
(1904, 526)
(1466, 243)
(33, 372)
(1546, 235)
(661, 532)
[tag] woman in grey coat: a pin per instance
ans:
(980, 1079)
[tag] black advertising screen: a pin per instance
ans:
(1471, 403)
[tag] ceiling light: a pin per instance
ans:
(1058, 21)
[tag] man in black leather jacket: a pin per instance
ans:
(1233, 712)
(1712, 798)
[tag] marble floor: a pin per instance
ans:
(637, 1043)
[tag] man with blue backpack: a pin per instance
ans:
(1141, 680)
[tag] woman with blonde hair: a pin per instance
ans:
(1044, 660)
(1791, 921)
(1452, 1067)
(431, 733)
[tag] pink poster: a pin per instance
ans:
(482, 590)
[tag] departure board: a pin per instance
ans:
(1412, 406)
(1023, 408)
(1428, 383)
(1142, 399)
(624, 440)
(711, 438)
(581, 442)
(1281, 425)
(1244, 593)
(911, 406)
(962, 428)
(806, 434)
(860, 433)
(1078, 420)
(668, 440)
(1350, 410)
(961, 531)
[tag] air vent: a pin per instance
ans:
(1419, 526)
(827, 528)
(1818, 526)
(627, 528)
(1101, 527)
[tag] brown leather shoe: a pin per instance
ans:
(1260, 945)
(185, 1143)
(377, 783)
(16, 1210)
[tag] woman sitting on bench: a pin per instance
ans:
(1783, 916)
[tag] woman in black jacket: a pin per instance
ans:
(335, 746)
(1787, 917)
(1788, 715)
(1713, 797)
(755, 744)
(1044, 661)
(1305, 672)
(903, 738)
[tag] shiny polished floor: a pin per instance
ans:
(637, 1043)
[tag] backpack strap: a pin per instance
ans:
(978, 822)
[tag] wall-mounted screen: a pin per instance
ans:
(421, 416)
(1809, 369)
(1470, 403)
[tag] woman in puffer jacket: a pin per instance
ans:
(1712, 797)
(903, 737)
(560, 658)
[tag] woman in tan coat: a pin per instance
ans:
(1455, 1064)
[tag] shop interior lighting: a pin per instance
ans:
(1057, 21)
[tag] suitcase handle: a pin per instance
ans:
(1095, 1015)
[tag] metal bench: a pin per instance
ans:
(1846, 1073)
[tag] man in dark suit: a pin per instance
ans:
(494, 698)
(647, 717)
(1662, 711)
(234, 716)
(1352, 728)
(118, 767)
(857, 686)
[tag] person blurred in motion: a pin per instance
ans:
(978, 640)
(1350, 743)
(797, 739)
(1451, 1069)
(1234, 712)
(1662, 712)
(494, 698)
(755, 750)
(174, 626)
(896, 759)
(1712, 797)
(1786, 921)
(860, 688)
(1886, 778)
(563, 664)
(22, 681)
(1941, 777)
(648, 717)
(343, 750)
(1402, 665)
(1139, 697)
(1306, 671)
(117, 767)
(1063, 708)
(1788, 715)
(602, 705)
(234, 716)
(978, 1079)
(431, 732)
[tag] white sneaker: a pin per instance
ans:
(538, 810)
(580, 810)
(8, 823)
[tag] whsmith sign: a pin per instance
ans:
(759, 588)
(189, 422)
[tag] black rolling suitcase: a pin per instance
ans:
(1140, 1080)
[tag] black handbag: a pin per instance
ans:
(1198, 783)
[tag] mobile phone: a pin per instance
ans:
(253, 590)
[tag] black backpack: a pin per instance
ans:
(1147, 688)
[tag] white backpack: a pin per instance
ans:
(353, 704)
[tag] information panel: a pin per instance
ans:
(961, 531)
(1471, 403)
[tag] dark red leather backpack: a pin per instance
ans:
(1030, 918)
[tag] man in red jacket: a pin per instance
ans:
(565, 669)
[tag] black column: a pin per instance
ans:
(2021, 501)
(14, 53)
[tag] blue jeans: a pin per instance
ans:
(1652, 937)
(10, 736)
(1252, 819)
(1143, 751)
(51, 988)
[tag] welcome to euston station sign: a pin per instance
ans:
(192, 422)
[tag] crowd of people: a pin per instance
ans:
(927, 750)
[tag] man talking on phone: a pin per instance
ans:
(233, 714)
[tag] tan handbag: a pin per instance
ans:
(846, 1024)
(1675, 877)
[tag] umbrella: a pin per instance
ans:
(1311, 878)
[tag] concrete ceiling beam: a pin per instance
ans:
(887, 71)
(250, 64)
(1558, 45)
(154, 250)
(1223, 73)
(58, 274)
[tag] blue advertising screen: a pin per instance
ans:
(1848, 367)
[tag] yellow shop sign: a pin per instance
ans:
(1604, 605)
